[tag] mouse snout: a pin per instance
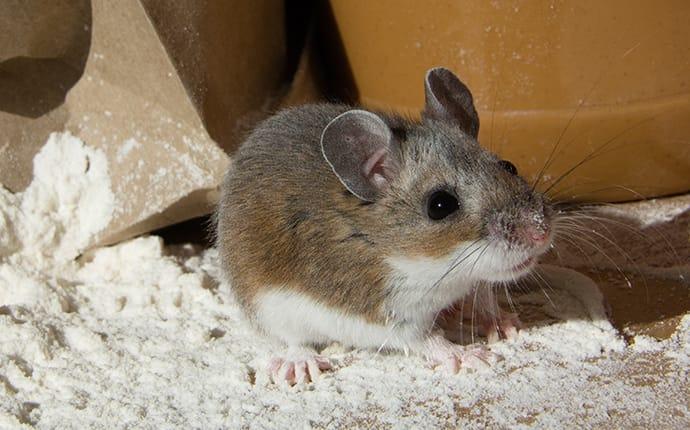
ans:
(536, 227)
(527, 228)
(535, 230)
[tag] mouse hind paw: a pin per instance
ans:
(298, 366)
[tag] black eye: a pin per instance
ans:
(508, 166)
(441, 204)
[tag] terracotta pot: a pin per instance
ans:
(604, 83)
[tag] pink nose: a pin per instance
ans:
(537, 235)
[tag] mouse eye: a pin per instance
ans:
(441, 204)
(508, 167)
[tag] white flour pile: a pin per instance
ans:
(139, 335)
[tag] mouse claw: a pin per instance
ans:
(452, 365)
(285, 374)
(505, 326)
(475, 358)
(510, 333)
(314, 371)
(298, 370)
(492, 335)
(316, 366)
(453, 357)
(301, 373)
(479, 358)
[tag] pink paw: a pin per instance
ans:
(297, 370)
(473, 358)
(452, 357)
(503, 326)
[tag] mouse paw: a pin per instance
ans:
(298, 366)
(477, 358)
(503, 326)
(483, 321)
(452, 357)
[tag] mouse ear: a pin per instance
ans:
(358, 146)
(448, 99)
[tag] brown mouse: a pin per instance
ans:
(341, 224)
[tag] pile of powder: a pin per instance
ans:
(142, 335)
(48, 225)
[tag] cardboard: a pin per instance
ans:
(159, 75)
(610, 75)
(230, 57)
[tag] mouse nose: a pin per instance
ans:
(530, 230)
(535, 228)
(536, 235)
(527, 227)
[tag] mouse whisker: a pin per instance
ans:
(568, 238)
(583, 237)
(558, 199)
(477, 287)
(541, 282)
(596, 153)
(388, 338)
(593, 213)
(476, 260)
(454, 264)
(621, 251)
(635, 193)
(493, 114)
(474, 312)
(551, 157)
(462, 320)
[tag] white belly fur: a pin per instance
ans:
(299, 320)
(414, 299)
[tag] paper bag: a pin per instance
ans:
(141, 81)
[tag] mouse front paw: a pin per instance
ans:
(494, 325)
(451, 357)
(505, 325)
(298, 366)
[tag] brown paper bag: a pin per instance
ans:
(142, 81)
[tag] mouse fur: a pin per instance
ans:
(323, 228)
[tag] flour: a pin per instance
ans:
(143, 335)
(68, 202)
(125, 148)
(48, 225)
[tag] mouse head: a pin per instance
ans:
(436, 195)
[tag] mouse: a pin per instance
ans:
(337, 223)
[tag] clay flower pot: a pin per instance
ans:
(608, 80)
